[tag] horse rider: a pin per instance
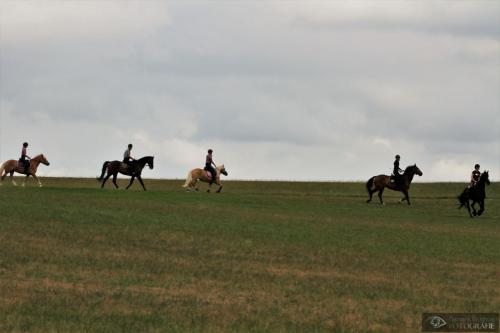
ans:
(25, 159)
(128, 159)
(475, 175)
(210, 166)
(396, 172)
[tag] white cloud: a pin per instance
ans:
(280, 90)
(51, 21)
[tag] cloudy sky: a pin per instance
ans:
(316, 90)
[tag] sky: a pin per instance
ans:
(280, 90)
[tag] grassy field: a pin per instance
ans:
(259, 257)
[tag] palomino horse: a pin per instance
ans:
(379, 183)
(12, 166)
(476, 194)
(205, 176)
(112, 168)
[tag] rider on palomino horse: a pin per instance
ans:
(25, 159)
(208, 166)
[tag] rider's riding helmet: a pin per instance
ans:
(25, 144)
(130, 146)
(210, 151)
(477, 166)
(397, 156)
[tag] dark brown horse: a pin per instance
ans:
(379, 183)
(112, 168)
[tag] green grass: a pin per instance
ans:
(259, 257)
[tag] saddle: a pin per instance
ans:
(22, 165)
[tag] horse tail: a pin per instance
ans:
(2, 168)
(369, 184)
(104, 167)
(189, 179)
(462, 199)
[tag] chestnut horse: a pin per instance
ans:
(12, 166)
(204, 175)
(114, 167)
(379, 183)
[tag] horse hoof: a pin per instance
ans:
(208, 191)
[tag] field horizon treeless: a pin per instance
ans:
(259, 257)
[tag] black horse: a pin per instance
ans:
(476, 194)
(113, 167)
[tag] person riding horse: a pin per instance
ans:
(396, 172)
(475, 176)
(128, 159)
(25, 159)
(208, 166)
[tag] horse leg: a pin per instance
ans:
(12, 178)
(114, 180)
(24, 180)
(105, 180)
(407, 197)
(380, 192)
(131, 181)
(481, 208)
(370, 193)
(467, 205)
(139, 178)
(474, 212)
(36, 178)
(220, 186)
(209, 187)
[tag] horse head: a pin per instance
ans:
(417, 170)
(222, 169)
(41, 158)
(150, 161)
(413, 170)
(485, 177)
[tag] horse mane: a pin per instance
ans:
(35, 157)
(410, 167)
(145, 158)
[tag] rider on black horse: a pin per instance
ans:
(128, 159)
(475, 176)
(396, 172)
(25, 159)
(208, 166)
